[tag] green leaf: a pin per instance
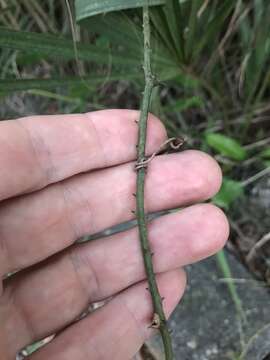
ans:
(119, 29)
(9, 85)
(214, 27)
(192, 27)
(229, 192)
(3, 95)
(162, 30)
(184, 104)
(86, 8)
(226, 146)
(257, 56)
(58, 97)
(175, 21)
(265, 154)
(50, 46)
(266, 163)
(227, 273)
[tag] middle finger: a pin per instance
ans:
(39, 225)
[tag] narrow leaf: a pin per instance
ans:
(50, 46)
(119, 29)
(192, 27)
(214, 27)
(226, 270)
(9, 85)
(161, 26)
(86, 8)
(184, 104)
(226, 146)
(229, 192)
(175, 22)
(265, 153)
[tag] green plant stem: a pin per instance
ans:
(226, 270)
(158, 315)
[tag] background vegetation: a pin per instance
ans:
(211, 60)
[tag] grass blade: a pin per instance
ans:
(214, 27)
(226, 270)
(119, 29)
(176, 25)
(162, 30)
(50, 46)
(9, 85)
(86, 8)
(192, 28)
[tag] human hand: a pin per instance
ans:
(66, 176)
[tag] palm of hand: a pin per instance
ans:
(66, 176)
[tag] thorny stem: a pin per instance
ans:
(159, 319)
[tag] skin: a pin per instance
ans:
(66, 176)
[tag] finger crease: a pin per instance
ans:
(39, 147)
(98, 137)
(78, 261)
(21, 312)
(4, 256)
(135, 320)
(64, 195)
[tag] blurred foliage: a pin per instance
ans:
(211, 59)
(229, 192)
(226, 146)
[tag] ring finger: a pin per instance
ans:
(51, 296)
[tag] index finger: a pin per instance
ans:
(41, 150)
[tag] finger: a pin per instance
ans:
(41, 150)
(50, 297)
(118, 330)
(50, 220)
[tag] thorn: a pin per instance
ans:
(133, 211)
(134, 195)
(158, 83)
(152, 254)
(136, 121)
(147, 289)
(163, 298)
(171, 331)
(136, 146)
(156, 321)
